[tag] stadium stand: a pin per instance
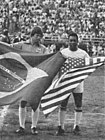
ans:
(56, 17)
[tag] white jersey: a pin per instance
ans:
(79, 53)
(74, 54)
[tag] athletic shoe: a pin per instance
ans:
(60, 131)
(20, 130)
(76, 130)
(34, 131)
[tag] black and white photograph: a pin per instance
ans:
(52, 69)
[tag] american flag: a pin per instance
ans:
(71, 74)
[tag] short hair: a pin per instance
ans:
(36, 30)
(72, 34)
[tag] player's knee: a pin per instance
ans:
(78, 109)
(23, 104)
(78, 99)
(78, 104)
(63, 106)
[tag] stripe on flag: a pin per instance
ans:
(71, 75)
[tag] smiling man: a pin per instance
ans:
(73, 52)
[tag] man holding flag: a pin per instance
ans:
(22, 73)
(33, 45)
(73, 52)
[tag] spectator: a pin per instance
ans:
(5, 37)
(83, 46)
(83, 17)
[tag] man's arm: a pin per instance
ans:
(17, 45)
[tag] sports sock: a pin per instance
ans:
(61, 116)
(78, 116)
(22, 116)
(35, 117)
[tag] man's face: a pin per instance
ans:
(73, 43)
(36, 38)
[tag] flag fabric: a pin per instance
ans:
(26, 76)
(72, 73)
(31, 58)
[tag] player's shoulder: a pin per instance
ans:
(83, 52)
(65, 50)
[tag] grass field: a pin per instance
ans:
(92, 123)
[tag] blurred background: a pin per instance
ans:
(56, 18)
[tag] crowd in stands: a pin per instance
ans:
(57, 18)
